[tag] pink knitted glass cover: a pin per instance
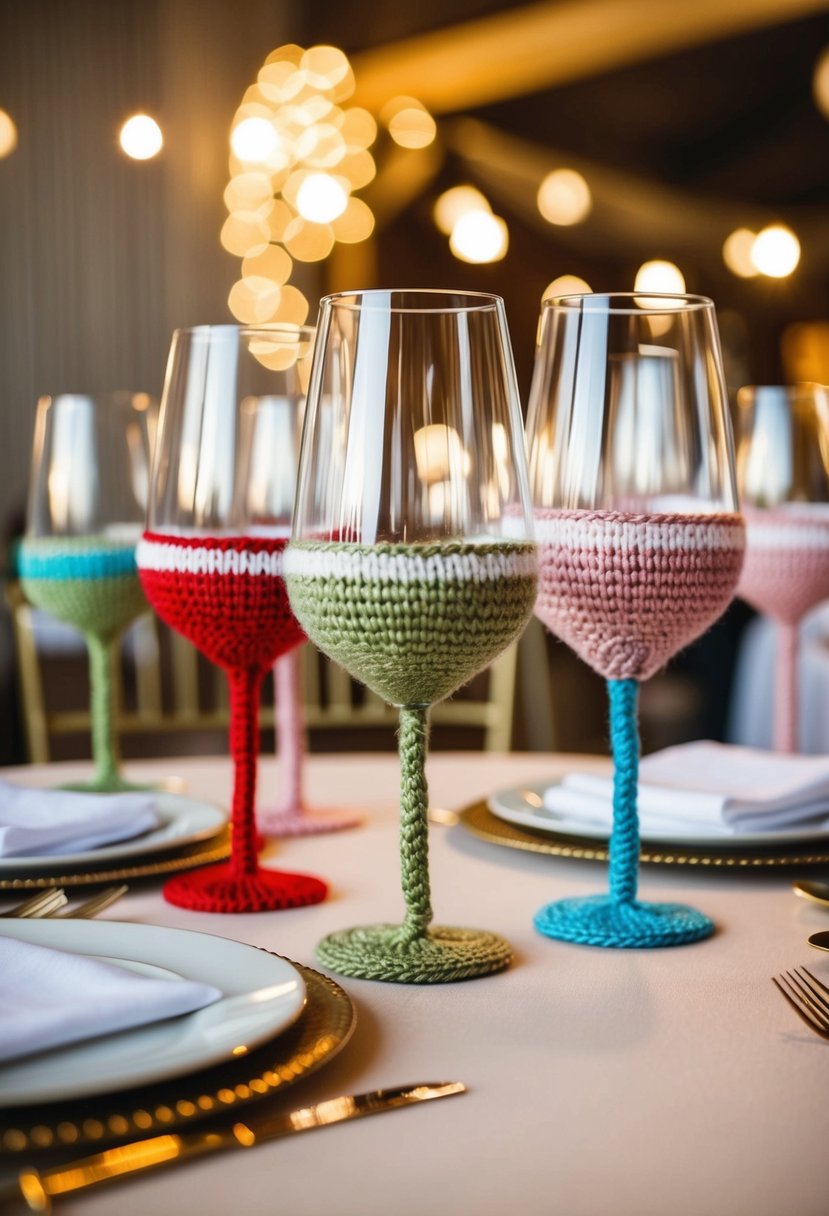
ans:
(627, 591)
(786, 570)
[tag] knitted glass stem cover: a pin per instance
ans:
(413, 622)
(785, 574)
(92, 583)
(227, 596)
(626, 591)
(291, 817)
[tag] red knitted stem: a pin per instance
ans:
(244, 747)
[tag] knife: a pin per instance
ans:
(35, 1190)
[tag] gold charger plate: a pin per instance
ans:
(481, 822)
(217, 848)
(323, 1028)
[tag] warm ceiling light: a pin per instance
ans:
(776, 251)
(8, 134)
(456, 202)
(564, 197)
(479, 237)
(321, 198)
(141, 137)
(820, 83)
(566, 285)
(736, 253)
(660, 277)
(254, 139)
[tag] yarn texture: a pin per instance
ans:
(91, 583)
(627, 591)
(414, 623)
(227, 595)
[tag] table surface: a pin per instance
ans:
(633, 1083)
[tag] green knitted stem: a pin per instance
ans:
(100, 606)
(414, 824)
(413, 643)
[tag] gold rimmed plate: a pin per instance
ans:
(479, 820)
(217, 848)
(321, 1031)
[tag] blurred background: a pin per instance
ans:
(287, 149)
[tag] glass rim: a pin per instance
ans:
(478, 301)
(284, 330)
(675, 303)
(794, 388)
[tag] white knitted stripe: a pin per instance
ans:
(569, 533)
(408, 567)
(188, 559)
(775, 535)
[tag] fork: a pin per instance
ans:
(43, 903)
(808, 997)
(104, 899)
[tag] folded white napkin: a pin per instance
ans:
(49, 998)
(711, 786)
(35, 822)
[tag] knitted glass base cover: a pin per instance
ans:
(92, 583)
(414, 623)
(626, 591)
(228, 597)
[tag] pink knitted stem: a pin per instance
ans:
(786, 571)
(290, 732)
(627, 591)
(785, 689)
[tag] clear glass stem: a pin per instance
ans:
(624, 740)
(414, 823)
(102, 710)
(290, 731)
(244, 748)
(785, 688)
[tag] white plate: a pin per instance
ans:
(524, 805)
(263, 995)
(185, 821)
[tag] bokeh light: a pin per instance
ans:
(454, 203)
(820, 83)
(479, 237)
(737, 251)
(140, 137)
(659, 276)
(8, 134)
(254, 139)
(321, 198)
(566, 285)
(564, 197)
(776, 251)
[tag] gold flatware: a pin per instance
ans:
(91, 907)
(815, 892)
(44, 903)
(37, 1189)
(808, 997)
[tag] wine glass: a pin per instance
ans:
(640, 540)
(273, 435)
(783, 475)
(411, 561)
(210, 562)
(87, 499)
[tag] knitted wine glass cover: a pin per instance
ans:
(626, 591)
(786, 570)
(413, 622)
(227, 596)
(92, 583)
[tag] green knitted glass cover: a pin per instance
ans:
(414, 623)
(91, 583)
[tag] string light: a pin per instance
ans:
(776, 251)
(659, 277)
(254, 139)
(409, 122)
(564, 197)
(566, 285)
(321, 198)
(140, 137)
(737, 253)
(454, 203)
(8, 134)
(479, 236)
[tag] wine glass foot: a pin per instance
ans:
(378, 952)
(299, 821)
(599, 920)
(219, 889)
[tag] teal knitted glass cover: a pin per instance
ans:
(414, 623)
(91, 583)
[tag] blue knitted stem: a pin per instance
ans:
(624, 840)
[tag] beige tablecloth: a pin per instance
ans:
(602, 1083)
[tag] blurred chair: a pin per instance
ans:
(163, 686)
